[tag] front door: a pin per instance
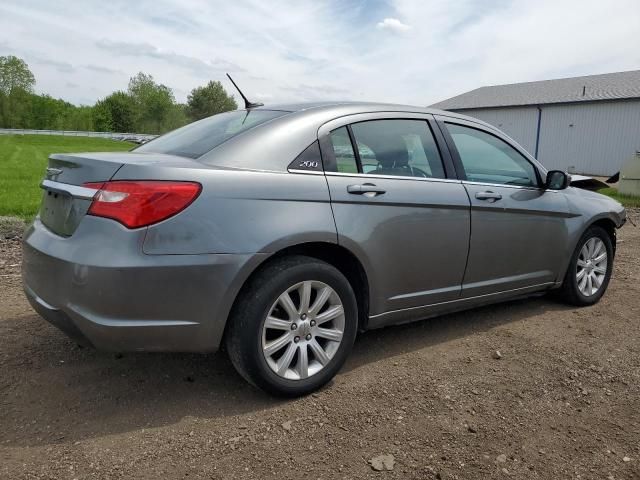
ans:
(518, 229)
(396, 209)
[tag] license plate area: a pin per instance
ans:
(55, 211)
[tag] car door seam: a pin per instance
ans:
(466, 263)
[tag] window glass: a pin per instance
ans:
(486, 158)
(198, 138)
(345, 158)
(398, 147)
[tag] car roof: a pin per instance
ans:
(356, 106)
(272, 145)
(337, 109)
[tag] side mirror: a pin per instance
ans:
(557, 180)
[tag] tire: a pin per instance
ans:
(250, 345)
(570, 292)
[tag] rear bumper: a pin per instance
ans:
(101, 289)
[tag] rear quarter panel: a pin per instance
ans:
(241, 211)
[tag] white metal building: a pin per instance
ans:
(588, 125)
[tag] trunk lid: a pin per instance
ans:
(79, 168)
(63, 206)
(65, 202)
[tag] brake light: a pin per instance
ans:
(138, 203)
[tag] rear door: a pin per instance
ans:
(397, 207)
(518, 229)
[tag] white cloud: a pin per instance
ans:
(394, 25)
(297, 51)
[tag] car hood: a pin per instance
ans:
(587, 183)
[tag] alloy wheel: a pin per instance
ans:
(303, 330)
(591, 268)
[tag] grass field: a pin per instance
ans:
(625, 200)
(23, 159)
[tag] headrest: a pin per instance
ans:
(389, 148)
(393, 154)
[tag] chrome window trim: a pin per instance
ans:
(420, 179)
(338, 122)
(392, 177)
(305, 172)
(502, 185)
(75, 191)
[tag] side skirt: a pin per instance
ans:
(397, 317)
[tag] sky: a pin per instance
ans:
(400, 51)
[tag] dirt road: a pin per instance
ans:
(562, 402)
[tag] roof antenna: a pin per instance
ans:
(247, 104)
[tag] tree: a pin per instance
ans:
(122, 109)
(16, 108)
(146, 106)
(154, 104)
(80, 118)
(177, 117)
(208, 100)
(102, 121)
(15, 73)
(47, 112)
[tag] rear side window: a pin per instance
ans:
(343, 151)
(403, 148)
(198, 138)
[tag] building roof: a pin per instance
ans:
(609, 86)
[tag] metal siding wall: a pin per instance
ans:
(519, 123)
(603, 137)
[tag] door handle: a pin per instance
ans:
(489, 195)
(367, 189)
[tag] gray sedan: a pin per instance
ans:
(281, 232)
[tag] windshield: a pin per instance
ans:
(198, 138)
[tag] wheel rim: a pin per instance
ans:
(591, 269)
(303, 330)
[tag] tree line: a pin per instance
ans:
(144, 107)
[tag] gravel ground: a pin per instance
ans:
(421, 401)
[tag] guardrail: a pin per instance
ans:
(77, 133)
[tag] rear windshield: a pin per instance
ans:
(198, 138)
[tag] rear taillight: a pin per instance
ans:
(138, 203)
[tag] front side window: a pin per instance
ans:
(398, 147)
(488, 159)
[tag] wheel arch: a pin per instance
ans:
(336, 255)
(608, 225)
(604, 221)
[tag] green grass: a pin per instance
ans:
(23, 159)
(625, 200)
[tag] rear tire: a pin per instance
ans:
(291, 348)
(589, 272)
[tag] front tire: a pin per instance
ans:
(590, 269)
(292, 326)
